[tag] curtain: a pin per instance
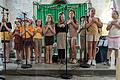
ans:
(54, 9)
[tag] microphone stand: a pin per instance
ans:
(84, 63)
(7, 15)
(24, 66)
(66, 75)
(10, 44)
(85, 52)
(4, 50)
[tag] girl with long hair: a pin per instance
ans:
(113, 36)
(72, 27)
(38, 40)
(49, 31)
(92, 25)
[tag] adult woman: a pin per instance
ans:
(49, 31)
(61, 31)
(72, 26)
(92, 25)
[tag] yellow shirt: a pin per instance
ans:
(30, 29)
(38, 32)
(93, 29)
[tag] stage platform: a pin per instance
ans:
(58, 69)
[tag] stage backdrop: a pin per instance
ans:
(54, 9)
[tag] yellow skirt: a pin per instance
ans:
(6, 36)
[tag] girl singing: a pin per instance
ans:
(38, 40)
(17, 41)
(113, 36)
(49, 31)
(92, 25)
(72, 26)
(27, 34)
(5, 29)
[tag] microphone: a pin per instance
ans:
(24, 13)
(4, 8)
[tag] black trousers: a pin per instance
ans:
(61, 53)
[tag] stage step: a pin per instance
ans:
(55, 69)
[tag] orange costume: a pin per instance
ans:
(27, 37)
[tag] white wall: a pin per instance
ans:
(118, 5)
(2, 3)
(18, 6)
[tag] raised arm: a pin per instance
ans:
(53, 29)
(45, 29)
(109, 26)
(99, 23)
(8, 26)
(76, 25)
(89, 22)
(117, 25)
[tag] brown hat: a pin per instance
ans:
(26, 20)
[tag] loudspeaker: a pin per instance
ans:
(84, 65)
(55, 58)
